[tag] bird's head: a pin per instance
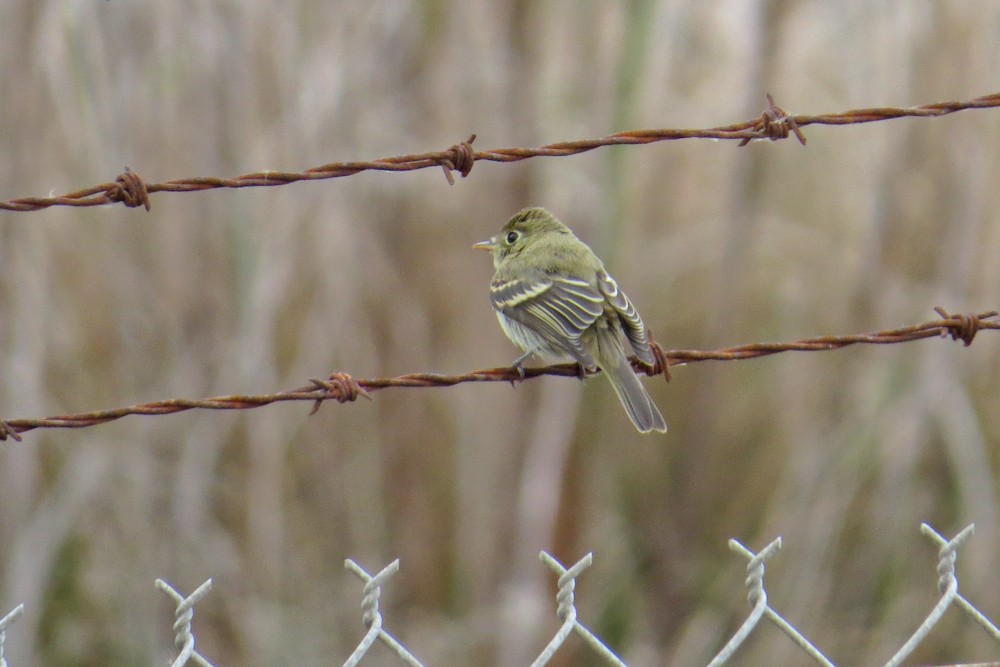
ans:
(525, 229)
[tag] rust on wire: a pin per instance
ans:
(8, 430)
(460, 158)
(342, 387)
(130, 190)
(661, 364)
(774, 124)
(966, 327)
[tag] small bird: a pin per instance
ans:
(554, 299)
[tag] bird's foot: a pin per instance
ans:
(518, 365)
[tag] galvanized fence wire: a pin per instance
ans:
(774, 124)
(372, 617)
(5, 623)
(948, 585)
(757, 596)
(761, 609)
(183, 636)
(342, 387)
(566, 611)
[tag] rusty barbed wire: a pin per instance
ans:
(774, 124)
(343, 388)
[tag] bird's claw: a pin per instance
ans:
(518, 365)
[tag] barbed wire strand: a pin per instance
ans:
(343, 388)
(5, 623)
(761, 609)
(566, 612)
(948, 585)
(774, 124)
(372, 617)
(183, 636)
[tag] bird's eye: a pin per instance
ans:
(512, 237)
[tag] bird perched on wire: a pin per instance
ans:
(555, 300)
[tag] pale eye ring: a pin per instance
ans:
(512, 237)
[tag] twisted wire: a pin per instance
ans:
(5, 623)
(774, 124)
(183, 616)
(947, 555)
(567, 614)
(372, 618)
(341, 387)
(757, 597)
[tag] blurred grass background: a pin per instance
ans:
(842, 453)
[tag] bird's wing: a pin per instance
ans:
(557, 308)
(635, 330)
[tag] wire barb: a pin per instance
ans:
(340, 387)
(183, 636)
(962, 327)
(774, 124)
(129, 189)
(8, 430)
(661, 364)
(372, 618)
(460, 158)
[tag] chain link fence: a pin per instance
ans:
(566, 612)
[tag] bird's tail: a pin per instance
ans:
(639, 406)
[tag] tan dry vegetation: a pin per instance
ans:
(842, 453)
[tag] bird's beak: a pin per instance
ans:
(486, 245)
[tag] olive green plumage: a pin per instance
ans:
(554, 299)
